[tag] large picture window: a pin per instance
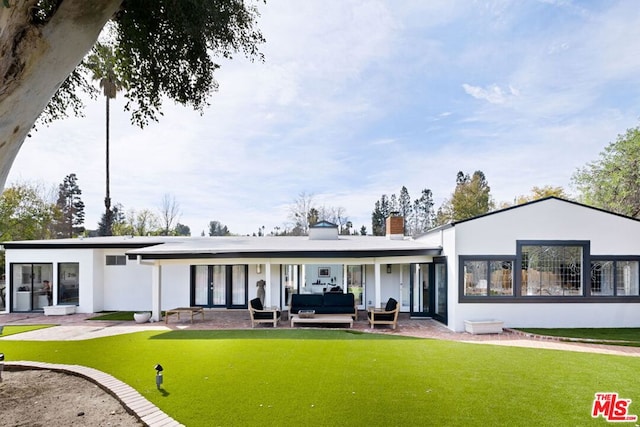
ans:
(487, 277)
(553, 269)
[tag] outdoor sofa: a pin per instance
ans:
(327, 303)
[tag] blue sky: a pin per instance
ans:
(357, 98)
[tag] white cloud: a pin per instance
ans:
(357, 98)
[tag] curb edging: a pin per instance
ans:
(133, 402)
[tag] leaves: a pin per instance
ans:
(613, 181)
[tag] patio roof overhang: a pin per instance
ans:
(150, 255)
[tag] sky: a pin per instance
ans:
(357, 98)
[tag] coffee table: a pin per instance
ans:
(322, 319)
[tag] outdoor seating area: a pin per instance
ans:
(322, 319)
(259, 314)
(184, 310)
(327, 303)
(388, 316)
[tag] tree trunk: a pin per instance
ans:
(35, 59)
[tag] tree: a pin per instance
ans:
(423, 212)
(25, 213)
(142, 223)
(117, 225)
(169, 212)
(102, 62)
(70, 208)
(613, 181)
(182, 230)
(471, 197)
(163, 48)
(405, 209)
(300, 212)
(379, 216)
(216, 228)
(537, 193)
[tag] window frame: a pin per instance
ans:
(615, 259)
(119, 260)
(585, 297)
(585, 273)
(486, 259)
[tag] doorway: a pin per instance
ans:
(31, 285)
(222, 286)
(429, 289)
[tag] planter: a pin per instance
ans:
(483, 326)
(59, 310)
(142, 317)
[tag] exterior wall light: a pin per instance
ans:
(259, 268)
(388, 268)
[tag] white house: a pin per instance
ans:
(548, 263)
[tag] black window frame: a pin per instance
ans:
(585, 297)
(615, 259)
(488, 259)
(118, 260)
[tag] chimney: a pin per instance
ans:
(395, 226)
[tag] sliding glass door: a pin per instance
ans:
(31, 285)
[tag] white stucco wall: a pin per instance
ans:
(84, 257)
(548, 220)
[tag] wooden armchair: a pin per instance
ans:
(388, 316)
(261, 315)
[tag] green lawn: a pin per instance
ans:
(330, 378)
(624, 336)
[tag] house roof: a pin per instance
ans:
(240, 246)
(542, 201)
(545, 199)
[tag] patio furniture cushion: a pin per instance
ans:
(338, 300)
(391, 305)
(256, 304)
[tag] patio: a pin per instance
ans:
(77, 326)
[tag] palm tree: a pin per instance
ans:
(102, 64)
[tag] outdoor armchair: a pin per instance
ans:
(388, 316)
(261, 315)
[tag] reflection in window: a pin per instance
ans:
(68, 283)
(614, 278)
(550, 270)
(488, 277)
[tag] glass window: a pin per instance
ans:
(627, 278)
(219, 285)
(602, 278)
(115, 260)
(615, 277)
(238, 284)
(551, 270)
(501, 278)
(68, 283)
(488, 277)
(355, 283)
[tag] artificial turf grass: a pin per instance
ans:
(322, 377)
(615, 336)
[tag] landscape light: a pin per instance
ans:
(1, 365)
(159, 370)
